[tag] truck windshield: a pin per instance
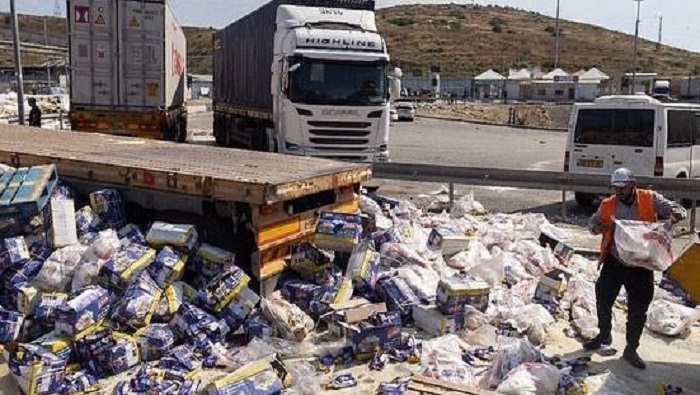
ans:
(338, 83)
(630, 127)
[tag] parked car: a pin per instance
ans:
(394, 114)
(406, 111)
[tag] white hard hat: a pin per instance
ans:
(621, 177)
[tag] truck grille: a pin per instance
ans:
(340, 136)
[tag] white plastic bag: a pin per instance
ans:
(643, 244)
(490, 269)
(441, 358)
(467, 206)
(511, 354)
(483, 336)
(57, 272)
(422, 280)
(671, 319)
(579, 299)
(531, 379)
(532, 319)
(536, 259)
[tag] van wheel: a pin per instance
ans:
(585, 200)
(686, 203)
(181, 134)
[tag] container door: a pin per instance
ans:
(93, 52)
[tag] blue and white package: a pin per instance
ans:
(181, 358)
(86, 221)
(123, 354)
(140, 300)
(223, 288)
(24, 298)
(88, 307)
(46, 310)
(167, 267)
(27, 270)
(109, 207)
(36, 370)
(307, 260)
(78, 383)
(364, 266)
(397, 295)
(338, 232)
(10, 325)
(155, 341)
(125, 264)
(170, 303)
(236, 312)
(184, 237)
(131, 234)
(193, 323)
(13, 251)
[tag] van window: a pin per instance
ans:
(681, 128)
(615, 127)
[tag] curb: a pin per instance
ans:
(492, 124)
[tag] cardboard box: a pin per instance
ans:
(672, 286)
(552, 285)
(161, 234)
(561, 250)
(85, 309)
(308, 261)
(449, 239)
(452, 296)
(433, 322)
(338, 232)
(397, 295)
(167, 267)
(125, 264)
(24, 298)
(109, 207)
(380, 330)
(364, 266)
(256, 378)
(59, 223)
(223, 288)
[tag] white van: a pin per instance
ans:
(638, 132)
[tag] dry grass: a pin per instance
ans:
(464, 40)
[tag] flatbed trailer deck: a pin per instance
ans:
(257, 204)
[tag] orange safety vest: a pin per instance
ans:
(645, 211)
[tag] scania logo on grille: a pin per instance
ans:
(340, 113)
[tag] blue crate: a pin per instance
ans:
(25, 192)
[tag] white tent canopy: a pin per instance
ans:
(594, 74)
(489, 75)
(555, 73)
(516, 75)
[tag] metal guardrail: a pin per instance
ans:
(533, 179)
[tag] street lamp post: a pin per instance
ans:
(556, 40)
(636, 39)
(18, 63)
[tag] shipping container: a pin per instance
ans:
(126, 56)
(243, 55)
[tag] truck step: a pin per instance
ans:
(25, 191)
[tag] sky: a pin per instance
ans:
(679, 16)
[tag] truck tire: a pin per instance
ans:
(181, 134)
(584, 200)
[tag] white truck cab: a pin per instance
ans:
(330, 84)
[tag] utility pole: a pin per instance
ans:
(48, 65)
(661, 30)
(636, 39)
(556, 40)
(18, 63)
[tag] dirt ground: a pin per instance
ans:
(546, 116)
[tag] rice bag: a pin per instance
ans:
(86, 221)
(223, 288)
(13, 250)
(62, 347)
(36, 370)
(123, 354)
(182, 236)
(236, 312)
(155, 341)
(124, 265)
(169, 304)
(181, 358)
(131, 234)
(78, 383)
(338, 232)
(307, 260)
(167, 266)
(86, 308)
(26, 271)
(397, 295)
(109, 207)
(135, 308)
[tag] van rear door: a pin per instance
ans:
(606, 138)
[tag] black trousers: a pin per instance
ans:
(639, 284)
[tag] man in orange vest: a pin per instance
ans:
(630, 203)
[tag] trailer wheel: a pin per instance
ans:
(585, 200)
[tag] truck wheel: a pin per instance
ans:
(181, 134)
(584, 200)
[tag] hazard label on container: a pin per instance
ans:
(100, 20)
(134, 22)
(82, 14)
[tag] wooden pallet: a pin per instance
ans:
(423, 385)
(25, 191)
